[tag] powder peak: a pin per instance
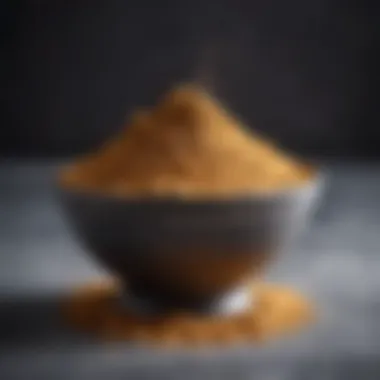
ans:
(190, 146)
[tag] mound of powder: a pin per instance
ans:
(187, 146)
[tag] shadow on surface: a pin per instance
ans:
(33, 322)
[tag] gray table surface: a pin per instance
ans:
(337, 262)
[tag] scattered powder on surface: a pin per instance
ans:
(278, 310)
(189, 146)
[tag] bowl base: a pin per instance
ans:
(234, 302)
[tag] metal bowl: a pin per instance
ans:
(189, 254)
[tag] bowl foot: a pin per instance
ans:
(234, 302)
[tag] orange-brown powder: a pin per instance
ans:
(278, 310)
(189, 146)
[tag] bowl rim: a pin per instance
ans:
(316, 181)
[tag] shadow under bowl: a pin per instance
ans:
(177, 253)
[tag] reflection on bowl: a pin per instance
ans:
(185, 253)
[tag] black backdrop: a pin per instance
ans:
(304, 72)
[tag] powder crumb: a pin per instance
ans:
(278, 310)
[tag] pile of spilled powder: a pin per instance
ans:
(187, 146)
(277, 311)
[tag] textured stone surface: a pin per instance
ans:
(337, 262)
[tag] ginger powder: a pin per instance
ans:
(188, 145)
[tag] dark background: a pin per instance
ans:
(304, 72)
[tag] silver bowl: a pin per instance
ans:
(197, 254)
